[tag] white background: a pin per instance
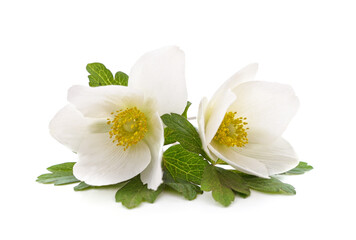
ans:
(311, 45)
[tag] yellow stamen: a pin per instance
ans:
(128, 127)
(232, 131)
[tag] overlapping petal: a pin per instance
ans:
(241, 162)
(268, 108)
(152, 175)
(68, 127)
(223, 98)
(201, 127)
(246, 74)
(217, 114)
(160, 74)
(101, 162)
(156, 86)
(278, 156)
(98, 102)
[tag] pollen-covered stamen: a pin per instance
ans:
(232, 131)
(128, 127)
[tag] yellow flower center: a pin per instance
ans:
(232, 131)
(128, 127)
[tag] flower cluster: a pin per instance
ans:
(119, 125)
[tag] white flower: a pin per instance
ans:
(116, 130)
(243, 122)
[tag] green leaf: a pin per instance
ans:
(60, 174)
(212, 182)
(100, 75)
(233, 181)
(135, 192)
(300, 169)
(184, 132)
(121, 79)
(63, 167)
(187, 189)
(272, 185)
(58, 178)
(183, 164)
(83, 186)
(185, 112)
(169, 136)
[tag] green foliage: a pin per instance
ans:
(183, 164)
(187, 189)
(82, 186)
(101, 76)
(184, 132)
(135, 192)
(272, 185)
(60, 174)
(121, 79)
(169, 134)
(300, 169)
(233, 181)
(212, 182)
(223, 184)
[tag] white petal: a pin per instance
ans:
(152, 175)
(268, 107)
(278, 157)
(201, 127)
(240, 162)
(99, 102)
(101, 162)
(160, 74)
(68, 126)
(215, 114)
(98, 125)
(247, 73)
(223, 98)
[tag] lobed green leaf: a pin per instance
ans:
(60, 174)
(187, 189)
(300, 169)
(211, 182)
(233, 181)
(184, 132)
(169, 136)
(135, 192)
(121, 78)
(62, 167)
(183, 164)
(101, 76)
(84, 186)
(271, 185)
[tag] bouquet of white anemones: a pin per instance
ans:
(119, 125)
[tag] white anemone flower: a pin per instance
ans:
(243, 122)
(116, 130)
